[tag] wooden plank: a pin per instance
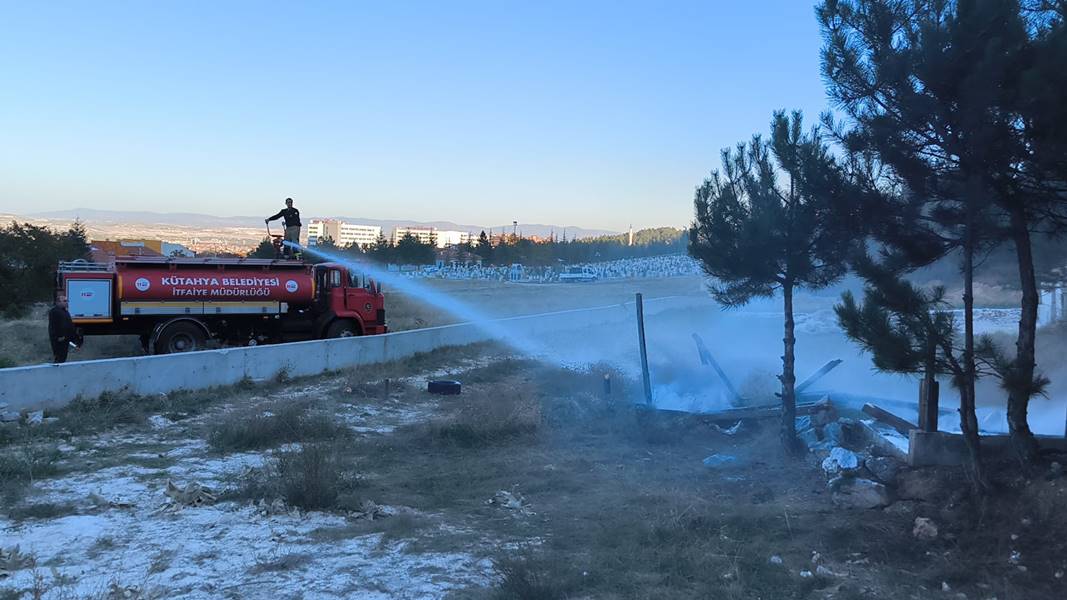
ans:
(902, 425)
(763, 411)
(707, 359)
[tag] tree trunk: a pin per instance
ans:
(968, 420)
(1022, 377)
(789, 378)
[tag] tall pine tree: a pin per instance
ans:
(774, 220)
(936, 90)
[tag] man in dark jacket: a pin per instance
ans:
(292, 225)
(61, 332)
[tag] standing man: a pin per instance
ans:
(291, 216)
(61, 332)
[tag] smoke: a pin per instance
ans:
(747, 343)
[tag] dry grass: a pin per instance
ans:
(318, 476)
(271, 425)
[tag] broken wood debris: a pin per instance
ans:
(880, 414)
(707, 359)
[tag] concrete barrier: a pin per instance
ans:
(53, 386)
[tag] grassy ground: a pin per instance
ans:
(607, 500)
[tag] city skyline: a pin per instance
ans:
(596, 115)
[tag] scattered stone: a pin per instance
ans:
(841, 461)
(368, 510)
(825, 572)
(192, 495)
(883, 468)
(100, 502)
(776, 560)
(1058, 575)
(276, 507)
(510, 500)
(816, 558)
(807, 574)
(10, 416)
(924, 529)
(944, 587)
(731, 430)
(158, 422)
(35, 418)
(833, 433)
(1026, 522)
(1055, 471)
(1016, 557)
(716, 461)
(859, 493)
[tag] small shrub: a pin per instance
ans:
(283, 423)
(485, 419)
(313, 477)
(535, 577)
(45, 510)
(7, 362)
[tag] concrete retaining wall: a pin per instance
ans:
(53, 386)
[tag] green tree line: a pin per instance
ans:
(514, 249)
(29, 255)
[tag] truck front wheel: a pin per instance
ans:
(182, 336)
(342, 328)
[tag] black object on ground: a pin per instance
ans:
(445, 387)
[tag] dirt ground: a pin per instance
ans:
(533, 483)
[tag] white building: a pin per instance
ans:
(360, 235)
(452, 238)
(323, 228)
(425, 235)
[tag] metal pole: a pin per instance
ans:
(644, 351)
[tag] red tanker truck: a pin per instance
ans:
(180, 304)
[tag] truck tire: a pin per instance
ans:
(182, 336)
(342, 328)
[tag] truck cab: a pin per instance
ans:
(348, 302)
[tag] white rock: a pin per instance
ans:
(776, 560)
(824, 572)
(35, 418)
(859, 493)
(9, 417)
(925, 529)
(807, 574)
(841, 460)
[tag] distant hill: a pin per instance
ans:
(91, 215)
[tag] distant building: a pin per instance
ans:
(360, 235)
(425, 235)
(342, 233)
(319, 229)
(104, 251)
(453, 238)
(170, 249)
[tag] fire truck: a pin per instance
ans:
(186, 304)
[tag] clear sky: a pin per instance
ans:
(595, 114)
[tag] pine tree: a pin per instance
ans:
(939, 92)
(774, 219)
(484, 248)
(265, 249)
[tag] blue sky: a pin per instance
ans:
(593, 114)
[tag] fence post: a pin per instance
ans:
(644, 352)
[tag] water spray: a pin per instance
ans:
(456, 308)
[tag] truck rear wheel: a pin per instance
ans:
(342, 328)
(182, 336)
